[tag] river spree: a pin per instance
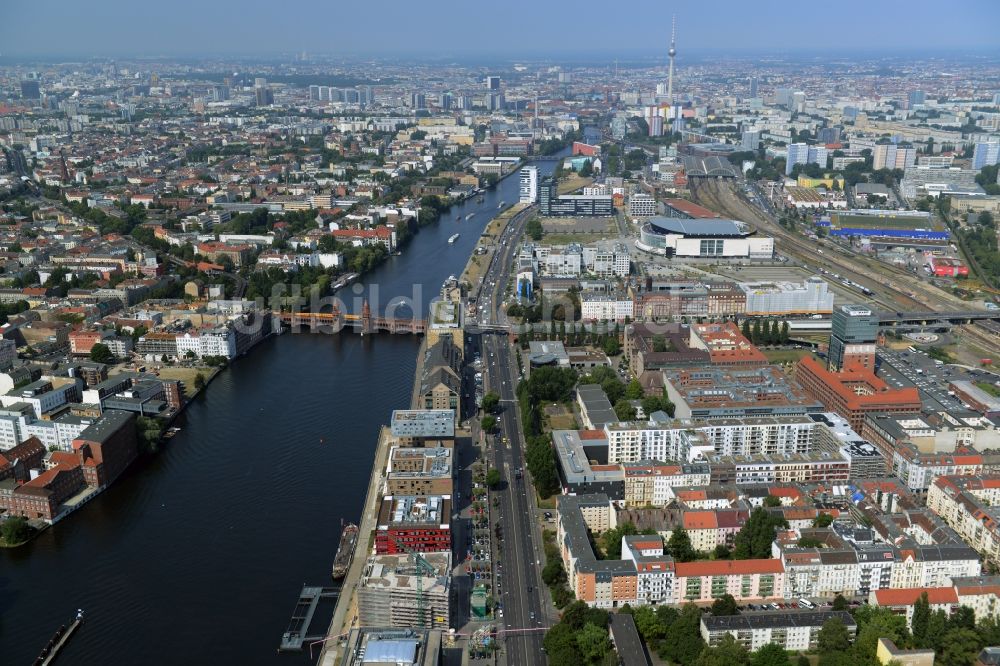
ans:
(197, 555)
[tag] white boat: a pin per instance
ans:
(501, 204)
(453, 238)
(469, 216)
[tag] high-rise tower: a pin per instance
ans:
(672, 52)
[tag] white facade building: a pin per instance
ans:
(528, 192)
(600, 307)
(641, 205)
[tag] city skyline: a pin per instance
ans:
(117, 28)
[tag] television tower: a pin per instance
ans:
(672, 52)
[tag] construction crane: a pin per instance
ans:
(423, 568)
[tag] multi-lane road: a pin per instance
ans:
(518, 548)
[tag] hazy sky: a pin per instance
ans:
(445, 27)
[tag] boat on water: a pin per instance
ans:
(458, 217)
(59, 640)
(345, 551)
(171, 432)
(453, 238)
(501, 204)
(469, 216)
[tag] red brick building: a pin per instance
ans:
(173, 392)
(15, 462)
(416, 522)
(585, 149)
(81, 342)
(40, 498)
(238, 254)
(855, 393)
(107, 447)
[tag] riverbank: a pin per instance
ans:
(345, 614)
(486, 247)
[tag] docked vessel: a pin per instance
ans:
(59, 640)
(453, 238)
(345, 552)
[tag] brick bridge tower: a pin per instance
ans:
(366, 318)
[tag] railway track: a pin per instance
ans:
(882, 279)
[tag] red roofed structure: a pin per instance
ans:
(687, 209)
(855, 393)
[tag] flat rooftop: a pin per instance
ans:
(423, 423)
(432, 510)
(699, 227)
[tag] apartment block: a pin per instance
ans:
(419, 471)
(793, 630)
(971, 506)
(420, 523)
(743, 579)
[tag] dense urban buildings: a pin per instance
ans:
(734, 322)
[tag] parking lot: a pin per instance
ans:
(914, 368)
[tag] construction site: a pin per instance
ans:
(406, 590)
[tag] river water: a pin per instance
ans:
(198, 553)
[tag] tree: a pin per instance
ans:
(199, 381)
(729, 652)
(560, 645)
(937, 626)
(960, 647)
(686, 642)
(771, 654)
(593, 643)
(772, 501)
(823, 520)
(612, 347)
(754, 539)
(964, 618)
(921, 619)
(488, 424)
(725, 605)
(491, 401)
(101, 353)
(611, 540)
(877, 622)
(837, 659)
(634, 390)
(832, 637)
(15, 530)
(680, 546)
(624, 410)
(839, 603)
(493, 478)
(534, 229)
(784, 332)
(747, 333)
(722, 552)
(648, 623)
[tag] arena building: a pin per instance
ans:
(710, 238)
